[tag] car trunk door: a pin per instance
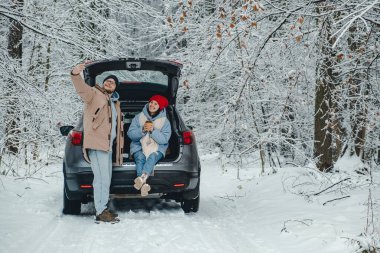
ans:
(169, 68)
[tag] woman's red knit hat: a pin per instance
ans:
(161, 101)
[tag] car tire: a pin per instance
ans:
(190, 205)
(70, 206)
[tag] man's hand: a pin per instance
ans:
(148, 126)
(78, 69)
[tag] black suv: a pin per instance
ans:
(176, 177)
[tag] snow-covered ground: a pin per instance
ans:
(257, 214)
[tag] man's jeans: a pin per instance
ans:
(144, 165)
(101, 165)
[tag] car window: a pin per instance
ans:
(136, 76)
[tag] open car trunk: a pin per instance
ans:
(140, 79)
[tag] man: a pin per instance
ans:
(102, 126)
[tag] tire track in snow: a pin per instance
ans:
(226, 216)
(41, 235)
(223, 227)
(218, 226)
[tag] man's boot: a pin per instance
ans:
(106, 216)
(112, 213)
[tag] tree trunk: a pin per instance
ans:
(47, 77)
(15, 52)
(15, 34)
(358, 117)
(323, 100)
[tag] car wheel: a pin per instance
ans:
(190, 205)
(70, 206)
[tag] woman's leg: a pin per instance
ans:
(140, 160)
(151, 162)
(148, 169)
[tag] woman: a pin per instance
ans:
(150, 132)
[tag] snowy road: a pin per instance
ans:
(36, 224)
(234, 216)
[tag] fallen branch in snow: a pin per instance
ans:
(24, 178)
(227, 197)
(306, 222)
(52, 174)
(335, 199)
(316, 194)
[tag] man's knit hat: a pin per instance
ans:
(161, 101)
(114, 78)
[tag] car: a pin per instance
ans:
(176, 176)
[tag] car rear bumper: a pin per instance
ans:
(78, 185)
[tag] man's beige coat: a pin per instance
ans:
(97, 121)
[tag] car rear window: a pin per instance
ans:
(144, 76)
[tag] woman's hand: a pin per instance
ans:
(148, 126)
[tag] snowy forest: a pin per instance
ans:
(268, 82)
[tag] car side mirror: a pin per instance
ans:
(65, 130)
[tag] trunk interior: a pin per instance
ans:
(130, 109)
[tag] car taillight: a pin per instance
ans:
(85, 186)
(187, 137)
(76, 137)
